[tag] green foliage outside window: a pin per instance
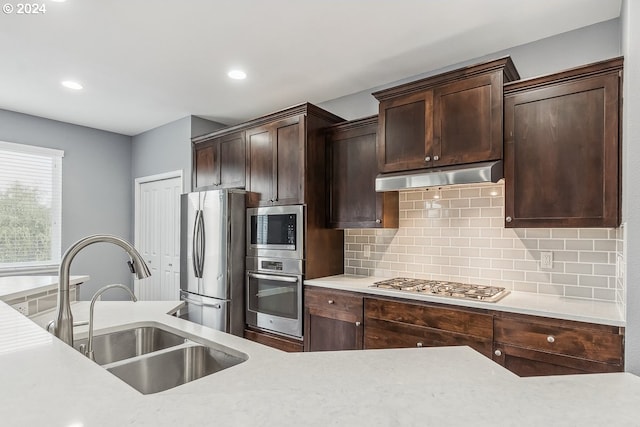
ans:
(25, 226)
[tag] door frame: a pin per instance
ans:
(136, 203)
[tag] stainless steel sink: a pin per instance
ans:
(171, 368)
(109, 348)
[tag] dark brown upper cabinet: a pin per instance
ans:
(562, 148)
(286, 160)
(275, 162)
(219, 162)
(353, 200)
(452, 118)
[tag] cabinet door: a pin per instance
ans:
(206, 165)
(405, 132)
(392, 323)
(468, 121)
(232, 160)
(353, 200)
(332, 320)
(275, 163)
(561, 154)
(526, 362)
(260, 166)
(289, 139)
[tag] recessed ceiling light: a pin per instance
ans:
(237, 74)
(72, 85)
(59, 1)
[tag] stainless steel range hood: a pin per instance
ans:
(449, 175)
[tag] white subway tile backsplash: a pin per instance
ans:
(461, 237)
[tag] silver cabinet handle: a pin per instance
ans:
(497, 353)
(551, 339)
(357, 323)
(436, 158)
(427, 159)
(331, 301)
(508, 219)
(419, 344)
(378, 220)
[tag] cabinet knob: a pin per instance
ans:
(419, 344)
(497, 353)
(357, 323)
(378, 220)
(508, 219)
(427, 159)
(330, 301)
(436, 158)
(551, 339)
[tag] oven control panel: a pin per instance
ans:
(271, 265)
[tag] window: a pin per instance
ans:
(30, 208)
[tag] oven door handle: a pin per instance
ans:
(273, 277)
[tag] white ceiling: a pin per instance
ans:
(145, 63)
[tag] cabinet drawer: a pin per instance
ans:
(386, 334)
(431, 316)
(598, 344)
(329, 299)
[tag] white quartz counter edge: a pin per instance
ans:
(582, 310)
(447, 386)
(12, 287)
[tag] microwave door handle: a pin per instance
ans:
(273, 277)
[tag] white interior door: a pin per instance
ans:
(158, 237)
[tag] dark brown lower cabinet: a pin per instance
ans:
(332, 320)
(395, 324)
(272, 340)
(531, 346)
(526, 345)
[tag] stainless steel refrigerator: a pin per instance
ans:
(212, 259)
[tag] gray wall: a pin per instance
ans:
(631, 177)
(163, 149)
(96, 190)
(168, 148)
(578, 47)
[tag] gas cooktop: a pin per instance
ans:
(441, 288)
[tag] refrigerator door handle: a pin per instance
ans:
(195, 260)
(192, 301)
(202, 243)
(200, 303)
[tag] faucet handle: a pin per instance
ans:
(132, 269)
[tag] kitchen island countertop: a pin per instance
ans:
(559, 307)
(45, 382)
(12, 287)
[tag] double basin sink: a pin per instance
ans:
(151, 359)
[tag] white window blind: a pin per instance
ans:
(30, 207)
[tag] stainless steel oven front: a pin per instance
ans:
(276, 232)
(274, 295)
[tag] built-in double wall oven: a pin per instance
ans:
(275, 267)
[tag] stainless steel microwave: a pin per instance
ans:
(276, 232)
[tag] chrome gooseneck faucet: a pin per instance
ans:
(89, 352)
(63, 325)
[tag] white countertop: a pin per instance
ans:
(45, 382)
(582, 310)
(12, 287)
